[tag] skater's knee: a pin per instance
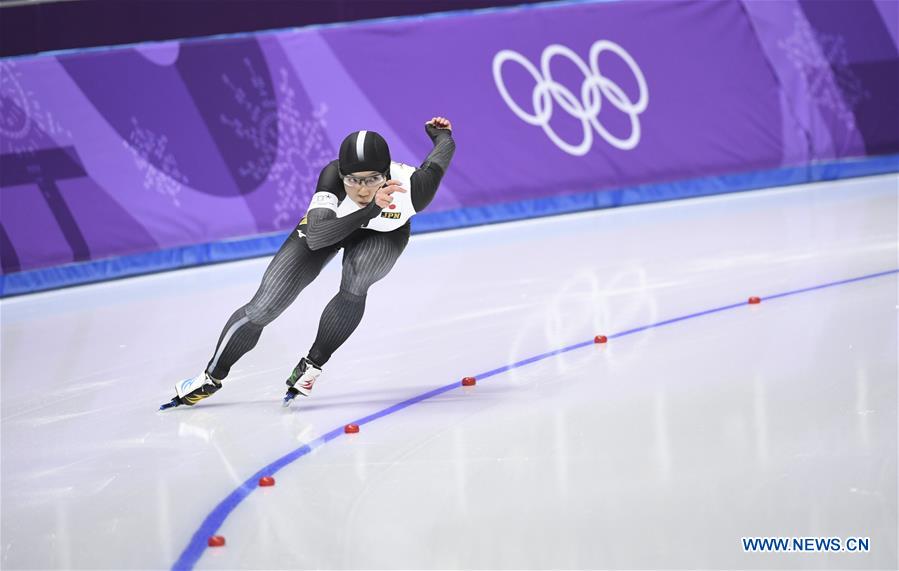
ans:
(262, 313)
(353, 296)
(260, 316)
(356, 284)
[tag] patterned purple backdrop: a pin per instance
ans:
(136, 149)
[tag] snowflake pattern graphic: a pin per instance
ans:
(823, 65)
(293, 144)
(150, 149)
(23, 121)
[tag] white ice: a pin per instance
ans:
(660, 449)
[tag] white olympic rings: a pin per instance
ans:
(587, 108)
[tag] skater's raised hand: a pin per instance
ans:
(436, 125)
(384, 196)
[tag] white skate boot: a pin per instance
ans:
(193, 390)
(301, 380)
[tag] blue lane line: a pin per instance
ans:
(217, 516)
(831, 284)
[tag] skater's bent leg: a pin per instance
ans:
(292, 269)
(238, 336)
(367, 258)
(339, 319)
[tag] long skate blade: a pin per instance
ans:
(171, 404)
(290, 396)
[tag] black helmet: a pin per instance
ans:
(364, 151)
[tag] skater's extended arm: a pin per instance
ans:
(323, 227)
(427, 178)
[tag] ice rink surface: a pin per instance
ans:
(660, 449)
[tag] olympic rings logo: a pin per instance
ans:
(594, 89)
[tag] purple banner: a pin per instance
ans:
(135, 149)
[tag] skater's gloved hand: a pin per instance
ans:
(438, 125)
(384, 196)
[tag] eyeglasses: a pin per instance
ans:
(373, 180)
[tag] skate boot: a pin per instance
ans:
(301, 380)
(193, 390)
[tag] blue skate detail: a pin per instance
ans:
(290, 396)
(171, 404)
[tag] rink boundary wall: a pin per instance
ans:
(33, 281)
(797, 88)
